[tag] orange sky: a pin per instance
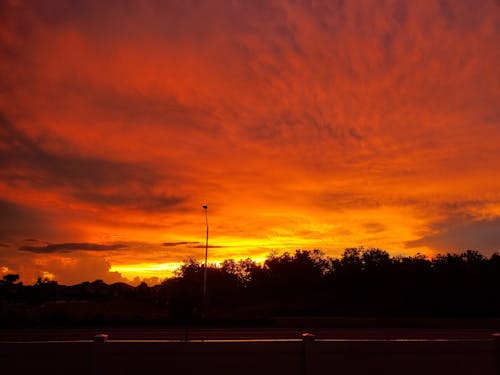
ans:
(301, 124)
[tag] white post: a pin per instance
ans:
(101, 338)
(496, 343)
(307, 348)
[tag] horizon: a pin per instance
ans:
(174, 270)
(301, 126)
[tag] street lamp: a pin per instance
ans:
(205, 207)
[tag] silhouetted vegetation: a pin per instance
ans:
(307, 283)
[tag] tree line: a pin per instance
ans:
(361, 282)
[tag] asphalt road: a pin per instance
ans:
(68, 334)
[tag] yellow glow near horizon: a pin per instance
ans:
(162, 270)
(146, 270)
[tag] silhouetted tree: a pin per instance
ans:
(361, 281)
(10, 278)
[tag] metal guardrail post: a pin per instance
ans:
(307, 349)
(98, 354)
(102, 337)
(496, 351)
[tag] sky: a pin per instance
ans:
(301, 124)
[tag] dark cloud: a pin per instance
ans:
(86, 14)
(140, 200)
(191, 245)
(133, 107)
(70, 247)
(374, 227)
(23, 159)
(310, 234)
(347, 199)
(19, 220)
(49, 169)
(203, 246)
(481, 235)
(162, 114)
(169, 244)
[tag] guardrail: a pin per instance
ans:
(307, 355)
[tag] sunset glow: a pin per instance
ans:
(302, 125)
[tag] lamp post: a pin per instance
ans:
(205, 207)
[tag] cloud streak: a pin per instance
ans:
(172, 244)
(482, 235)
(70, 247)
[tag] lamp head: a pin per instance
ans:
(205, 206)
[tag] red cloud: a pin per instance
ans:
(354, 123)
